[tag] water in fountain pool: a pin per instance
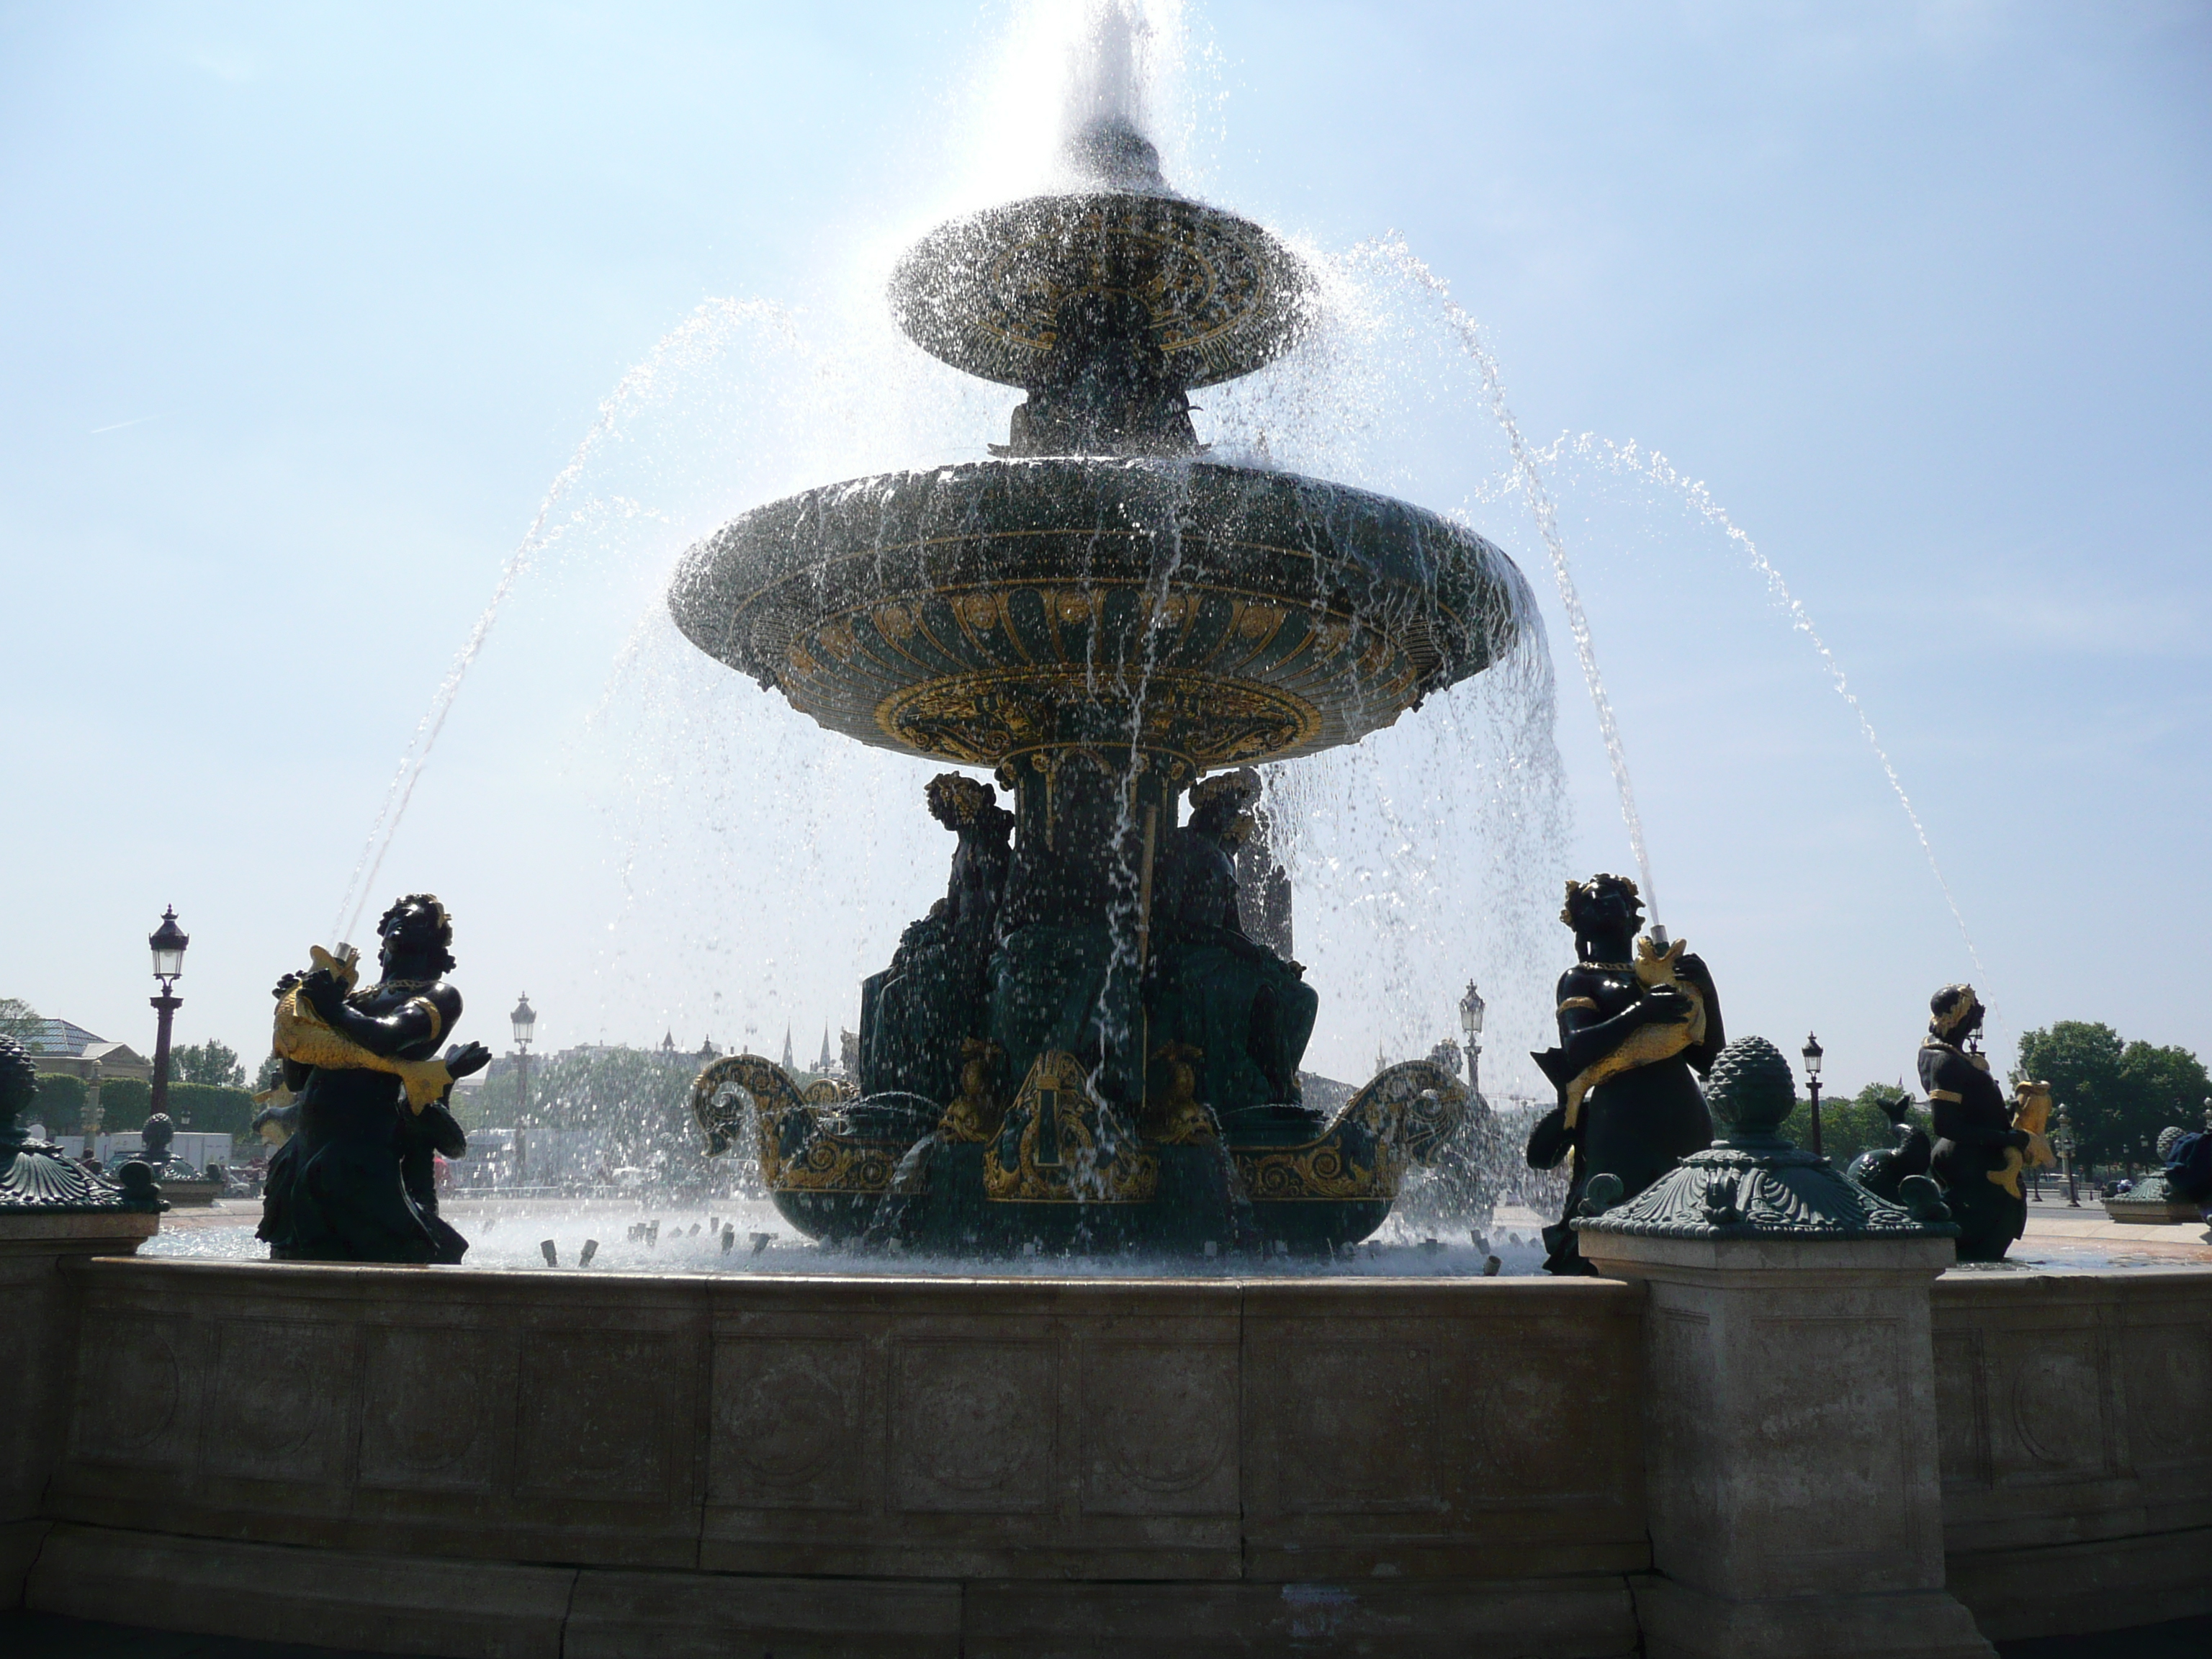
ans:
(612, 1237)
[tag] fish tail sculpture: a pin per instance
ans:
(2031, 1112)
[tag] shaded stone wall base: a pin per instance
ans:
(1682, 1623)
(2066, 1588)
(40, 1309)
(506, 1610)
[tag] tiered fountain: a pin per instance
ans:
(1081, 1044)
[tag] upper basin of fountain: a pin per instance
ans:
(1212, 613)
(992, 294)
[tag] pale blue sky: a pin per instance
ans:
(301, 309)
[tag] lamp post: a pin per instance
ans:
(2062, 1144)
(1470, 1021)
(1812, 1052)
(168, 943)
(525, 1020)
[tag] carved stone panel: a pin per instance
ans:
(972, 1426)
(787, 1423)
(2053, 1399)
(1159, 1428)
(1358, 1429)
(280, 1398)
(428, 1394)
(1543, 1416)
(2169, 1392)
(600, 1410)
(134, 1397)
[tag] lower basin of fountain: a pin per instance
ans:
(451, 1462)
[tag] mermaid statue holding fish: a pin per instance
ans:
(1639, 1022)
(370, 1089)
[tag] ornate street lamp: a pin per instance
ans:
(1813, 1085)
(1470, 1021)
(2062, 1144)
(168, 943)
(525, 1020)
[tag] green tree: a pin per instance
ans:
(59, 1103)
(210, 1109)
(208, 1062)
(125, 1102)
(19, 1020)
(1849, 1125)
(2080, 1061)
(2162, 1085)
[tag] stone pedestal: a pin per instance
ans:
(37, 1335)
(1791, 1458)
(1791, 1471)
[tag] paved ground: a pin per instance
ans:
(35, 1636)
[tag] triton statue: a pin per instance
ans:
(1979, 1143)
(354, 1183)
(1637, 1017)
(1082, 1042)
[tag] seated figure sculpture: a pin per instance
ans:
(1637, 1025)
(359, 1058)
(1244, 1011)
(916, 1013)
(1975, 1130)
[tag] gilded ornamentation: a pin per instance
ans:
(1654, 969)
(976, 1111)
(1179, 1118)
(303, 1037)
(1059, 1146)
(797, 1134)
(717, 1102)
(981, 718)
(1400, 1119)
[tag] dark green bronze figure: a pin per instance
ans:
(1883, 1170)
(338, 1190)
(937, 992)
(1245, 1010)
(1974, 1131)
(1639, 1022)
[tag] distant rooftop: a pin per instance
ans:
(58, 1037)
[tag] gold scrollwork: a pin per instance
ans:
(1319, 1170)
(1404, 1115)
(980, 718)
(1059, 1146)
(829, 1163)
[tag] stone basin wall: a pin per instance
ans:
(2074, 1413)
(524, 1463)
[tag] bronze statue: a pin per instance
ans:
(1978, 1143)
(365, 1068)
(1882, 1169)
(936, 993)
(1245, 1012)
(1639, 1021)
